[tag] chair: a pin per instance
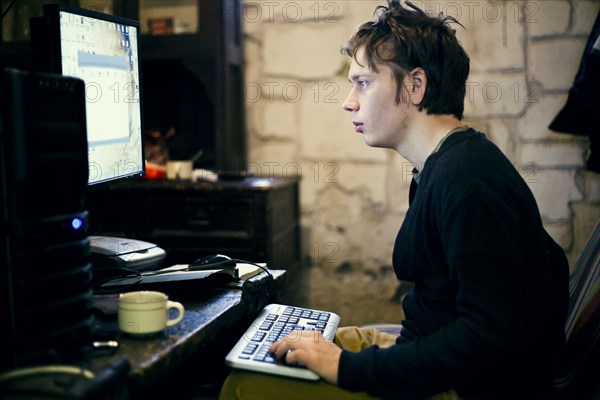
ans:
(574, 377)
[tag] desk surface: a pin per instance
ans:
(140, 362)
(204, 320)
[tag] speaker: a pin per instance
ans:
(45, 274)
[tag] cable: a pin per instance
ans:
(12, 3)
(262, 300)
(269, 275)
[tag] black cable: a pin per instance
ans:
(269, 276)
(12, 3)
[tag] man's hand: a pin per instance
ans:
(311, 349)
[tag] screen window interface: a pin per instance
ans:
(104, 54)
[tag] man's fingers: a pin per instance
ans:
(310, 349)
(294, 341)
(279, 348)
(297, 356)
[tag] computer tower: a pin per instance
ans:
(45, 274)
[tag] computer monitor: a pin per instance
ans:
(102, 50)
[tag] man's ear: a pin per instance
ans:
(418, 84)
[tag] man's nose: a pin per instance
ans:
(350, 104)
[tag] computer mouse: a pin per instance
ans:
(213, 261)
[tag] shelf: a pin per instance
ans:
(190, 220)
(176, 46)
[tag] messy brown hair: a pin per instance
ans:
(404, 38)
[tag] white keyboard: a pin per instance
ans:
(275, 322)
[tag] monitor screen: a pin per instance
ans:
(102, 50)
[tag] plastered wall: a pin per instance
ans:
(524, 57)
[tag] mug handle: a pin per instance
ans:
(179, 308)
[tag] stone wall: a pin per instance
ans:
(524, 57)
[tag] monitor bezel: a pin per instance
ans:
(49, 58)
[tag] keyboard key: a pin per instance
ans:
(265, 326)
(258, 336)
(250, 349)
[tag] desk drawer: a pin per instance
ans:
(189, 220)
(202, 216)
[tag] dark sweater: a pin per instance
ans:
(486, 316)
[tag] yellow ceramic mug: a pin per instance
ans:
(146, 312)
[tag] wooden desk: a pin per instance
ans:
(138, 367)
(253, 219)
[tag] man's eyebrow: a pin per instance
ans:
(356, 77)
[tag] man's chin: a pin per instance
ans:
(371, 142)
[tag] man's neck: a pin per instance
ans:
(424, 136)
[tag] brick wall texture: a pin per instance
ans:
(524, 57)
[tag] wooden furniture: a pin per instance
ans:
(194, 81)
(183, 361)
(193, 78)
(252, 219)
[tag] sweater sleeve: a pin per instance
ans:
(486, 240)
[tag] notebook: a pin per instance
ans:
(177, 277)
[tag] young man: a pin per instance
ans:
(486, 317)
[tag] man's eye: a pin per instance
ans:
(362, 84)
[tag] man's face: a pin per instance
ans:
(372, 104)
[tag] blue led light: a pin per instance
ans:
(76, 223)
